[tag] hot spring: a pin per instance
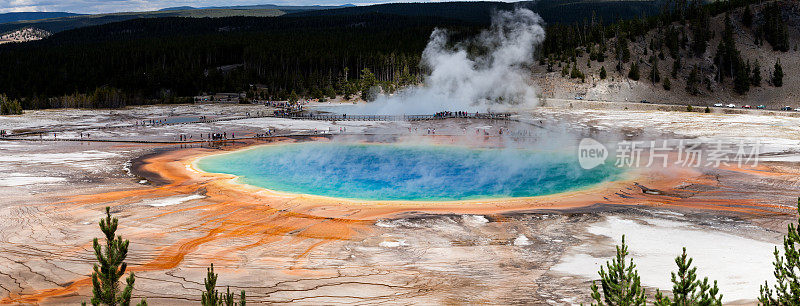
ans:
(406, 172)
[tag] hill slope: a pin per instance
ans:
(713, 86)
(23, 16)
(55, 25)
(292, 8)
(552, 11)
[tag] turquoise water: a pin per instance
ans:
(406, 172)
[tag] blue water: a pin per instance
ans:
(406, 172)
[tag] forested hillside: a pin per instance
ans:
(285, 8)
(58, 24)
(21, 16)
(162, 58)
(159, 59)
(738, 50)
(342, 51)
(552, 11)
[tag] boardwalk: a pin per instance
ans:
(26, 136)
(345, 117)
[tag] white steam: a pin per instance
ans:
(494, 80)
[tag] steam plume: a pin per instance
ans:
(494, 80)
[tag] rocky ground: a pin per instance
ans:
(54, 193)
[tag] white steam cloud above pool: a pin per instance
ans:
(494, 80)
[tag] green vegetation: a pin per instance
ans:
(211, 297)
(368, 85)
(182, 57)
(700, 34)
(676, 66)
(755, 78)
(687, 289)
(621, 284)
(682, 30)
(158, 60)
(774, 28)
(576, 73)
(9, 106)
(777, 74)
(633, 73)
(747, 17)
(692, 82)
(787, 287)
(106, 275)
(654, 75)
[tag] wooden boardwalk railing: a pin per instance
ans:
(345, 117)
(326, 117)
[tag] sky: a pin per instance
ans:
(109, 6)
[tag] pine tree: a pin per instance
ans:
(227, 298)
(621, 284)
(368, 83)
(728, 60)
(755, 78)
(687, 289)
(106, 275)
(9, 106)
(667, 84)
(741, 81)
(330, 92)
(293, 97)
(603, 73)
(747, 16)
(576, 73)
(787, 280)
(210, 297)
(655, 76)
(691, 82)
(700, 33)
(774, 28)
(676, 66)
(777, 75)
(633, 74)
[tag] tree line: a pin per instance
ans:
(9, 106)
(157, 60)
